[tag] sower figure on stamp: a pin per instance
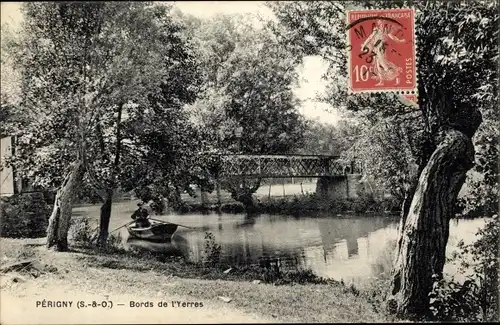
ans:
(383, 69)
(141, 216)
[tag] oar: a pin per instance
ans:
(123, 226)
(171, 223)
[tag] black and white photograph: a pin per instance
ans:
(187, 162)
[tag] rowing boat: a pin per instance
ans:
(157, 231)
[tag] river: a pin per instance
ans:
(349, 247)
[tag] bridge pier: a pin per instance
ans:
(339, 187)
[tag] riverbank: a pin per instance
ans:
(295, 204)
(125, 277)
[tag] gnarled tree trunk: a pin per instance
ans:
(424, 233)
(59, 221)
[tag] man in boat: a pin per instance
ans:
(141, 216)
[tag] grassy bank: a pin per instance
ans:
(300, 297)
(296, 204)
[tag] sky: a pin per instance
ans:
(310, 73)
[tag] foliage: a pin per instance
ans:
(24, 215)
(382, 266)
(60, 55)
(7, 116)
(292, 277)
(482, 199)
(114, 245)
(158, 205)
(247, 83)
(9, 91)
(476, 298)
(385, 150)
(242, 190)
(212, 251)
(168, 161)
(84, 72)
(326, 139)
(166, 146)
(82, 232)
(103, 84)
(315, 28)
(246, 104)
(457, 74)
(300, 277)
(456, 69)
(457, 53)
(364, 203)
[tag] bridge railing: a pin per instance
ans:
(268, 166)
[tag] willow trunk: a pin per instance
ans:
(424, 232)
(59, 221)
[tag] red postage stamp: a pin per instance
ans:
(381, 46)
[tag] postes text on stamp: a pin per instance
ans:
(381, 51)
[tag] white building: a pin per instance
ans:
(6, 173)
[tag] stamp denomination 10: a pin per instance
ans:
(381, 54)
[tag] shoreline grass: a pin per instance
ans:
(296, 204)
(299, 297)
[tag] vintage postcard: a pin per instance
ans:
(216, 162)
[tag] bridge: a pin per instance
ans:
(337, 178)
(273, 166)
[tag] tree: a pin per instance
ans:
(386, 148)
(83, 69)
(248, 80)
(168, 157)
(9, 90)
(326, 139)
(161, 83)
(457, 55)
(458, 76)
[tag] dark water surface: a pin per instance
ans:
(338, 247)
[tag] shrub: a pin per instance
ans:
(24, 215)
(158, 205)
(301, 277)
(82, 233)
(383, 264)
(232, 208)
(114, 245)
(476, 299)
(115, 240)
(212, 251)
(365, 202)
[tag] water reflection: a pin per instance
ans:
(178, 245)
(332, 247)
(338, 248)
(321, 244)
